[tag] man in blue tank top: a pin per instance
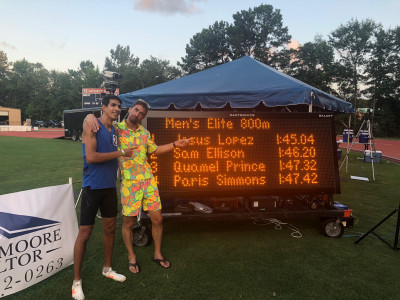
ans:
(100, 168)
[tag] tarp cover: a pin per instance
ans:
(243, 83)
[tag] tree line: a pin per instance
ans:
(43, 94)
(359, 62)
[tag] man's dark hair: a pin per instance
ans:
(106, 99)
(142, 103)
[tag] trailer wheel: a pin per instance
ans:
(74, 137)
(332, 228)
(141, 236)
(80, 137)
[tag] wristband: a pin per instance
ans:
(173, 144)
(123, 152)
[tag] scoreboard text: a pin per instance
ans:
(245, 153)
(91, 97)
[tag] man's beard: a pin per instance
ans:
(134, 120)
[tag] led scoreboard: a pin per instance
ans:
(245, 153)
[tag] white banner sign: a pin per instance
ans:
(38, 229)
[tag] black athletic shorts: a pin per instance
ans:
(92, 200)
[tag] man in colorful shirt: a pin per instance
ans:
(138, 186)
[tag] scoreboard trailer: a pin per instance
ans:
(245, 153)
(244, 164)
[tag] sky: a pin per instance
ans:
(60, 34)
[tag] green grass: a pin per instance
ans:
(227, 259)
(28, 163)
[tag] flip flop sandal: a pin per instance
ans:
(159, 261)
(134, 265)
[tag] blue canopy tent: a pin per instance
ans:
(242, 83)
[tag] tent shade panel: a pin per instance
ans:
(242, 83)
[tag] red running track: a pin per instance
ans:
(390, 149)
(42, 133)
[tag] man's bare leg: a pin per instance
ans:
(156, 230)
(128, 241)
(109, 225)
(80, 249)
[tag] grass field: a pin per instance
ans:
(227, 259)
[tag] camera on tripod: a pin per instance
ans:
(368, 114)
(109, 75)
(110, 82)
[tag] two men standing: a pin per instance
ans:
(138, 186)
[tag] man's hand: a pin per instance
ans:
(170, 147)
(91, 122)
(129, 151)
(182, 142)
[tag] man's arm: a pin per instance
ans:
(169, 147)
(90, 141)
(92, 122)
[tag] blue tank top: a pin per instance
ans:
(101, 175)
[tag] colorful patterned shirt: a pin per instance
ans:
(136, 167)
